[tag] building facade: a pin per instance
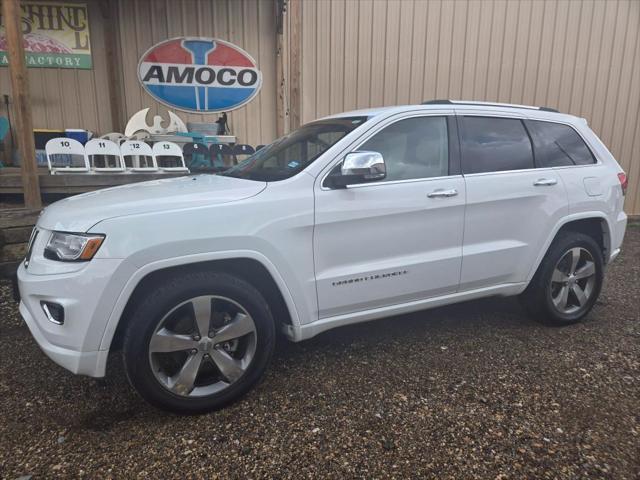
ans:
(319, 57)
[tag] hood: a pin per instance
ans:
(81, 212)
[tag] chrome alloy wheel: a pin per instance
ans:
(202, 346)
(573, 280)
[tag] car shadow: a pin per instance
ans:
(496, 313)
(106, 403)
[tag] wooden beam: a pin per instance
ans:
(23, 119)
(281, 96)
(294, 10)
(109, 11)
(18, 217)
(71, 183)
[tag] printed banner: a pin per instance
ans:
(56, 35)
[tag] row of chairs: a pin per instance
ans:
(66, 155)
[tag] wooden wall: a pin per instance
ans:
(65, 98)
(80, 98)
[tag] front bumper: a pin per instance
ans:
(92, 363)
(86, 296)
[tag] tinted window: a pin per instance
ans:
(495, 144)
(294, 152)
(413, 148)
(558, 145)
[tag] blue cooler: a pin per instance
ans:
(78, 134)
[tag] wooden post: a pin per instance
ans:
(295, 59)
(109, 11)
(281, 87)
(23, 119)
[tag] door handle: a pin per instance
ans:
(545, 182)
(452, 192)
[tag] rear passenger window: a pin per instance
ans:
(558, 145)
(492, 144)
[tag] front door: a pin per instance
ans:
(396, 240)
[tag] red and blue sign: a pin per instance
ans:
(202, 75)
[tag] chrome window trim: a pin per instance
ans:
(395, 182)
(541, 169)
(503, 172)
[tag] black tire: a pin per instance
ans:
(537, 298)
(172, 292)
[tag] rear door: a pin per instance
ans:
(511, 204)
(400, 239)
(587, 168)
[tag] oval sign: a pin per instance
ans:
(198, 74)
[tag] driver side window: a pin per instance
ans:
(413, 148)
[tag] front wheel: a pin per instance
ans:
(198, 342)
(568, 281)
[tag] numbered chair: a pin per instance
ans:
(104, 155)
(137, 156)
(197, 156)
(222, 155)
(169, 157)
(66, 155)
(240, 152)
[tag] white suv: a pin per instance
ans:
(350, 218)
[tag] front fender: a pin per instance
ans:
(143, 271)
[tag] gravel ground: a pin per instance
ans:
(471, 391)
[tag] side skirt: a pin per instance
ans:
(304, 332)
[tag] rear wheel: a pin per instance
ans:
(568, 281)
(199, 342)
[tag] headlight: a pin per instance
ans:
(72, 247)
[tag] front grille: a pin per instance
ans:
(32, 241)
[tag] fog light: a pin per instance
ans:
(53, 311)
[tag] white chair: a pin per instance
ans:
(66, 155)
(137, 156)
(169, 157)
(104, 155)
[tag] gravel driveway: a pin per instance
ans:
(470, 391)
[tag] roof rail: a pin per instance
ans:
(489, 104)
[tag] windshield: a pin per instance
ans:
(294, 152)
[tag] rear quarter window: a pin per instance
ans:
(558, 145)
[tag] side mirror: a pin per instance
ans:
(359, 167)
